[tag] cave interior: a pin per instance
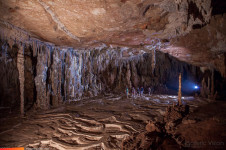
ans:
(113, 74)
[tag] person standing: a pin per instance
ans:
(133, 92)
(138, 91)
(141, 91)
(127, 92)
(149, 91)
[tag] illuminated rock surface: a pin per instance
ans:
(191, 30)
(65, 64)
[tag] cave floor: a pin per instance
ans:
(102, 122)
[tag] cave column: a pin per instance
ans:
(179, 91)
(20, 67)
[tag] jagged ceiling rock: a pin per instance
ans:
(179, 25)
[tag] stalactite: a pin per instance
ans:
(34, 48)
(70, 74)
(20, 66)
(208, 86)
(41, 78)
(128, 76)
(153, 60)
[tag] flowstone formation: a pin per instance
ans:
(53, 75)
(68, 63)
(194, 29)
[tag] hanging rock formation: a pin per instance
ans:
(135, 34)
(194, 29)
(58, 75)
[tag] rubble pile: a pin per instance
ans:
(174, 115)
(157, 134)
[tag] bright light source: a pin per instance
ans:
(196, 87)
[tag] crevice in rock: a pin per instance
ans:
(218, 7)
(63, 77)
(197, 26)
(34, 69)
(146, 9)
(29, 78)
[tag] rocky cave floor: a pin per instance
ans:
(105, 122)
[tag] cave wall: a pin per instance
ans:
(53, 75)
(9, 76)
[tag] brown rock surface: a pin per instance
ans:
(193, 31)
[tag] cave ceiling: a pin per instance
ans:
(191, 30)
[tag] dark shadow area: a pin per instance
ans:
(219, 7)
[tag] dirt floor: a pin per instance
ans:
(104, 122)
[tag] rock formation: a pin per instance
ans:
(60, 75)
(157, 133)
(185, 25)
(60, 52)
(54, 75)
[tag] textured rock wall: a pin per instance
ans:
(54, 75)
(9, 76)
(68, 74)
(30, 93)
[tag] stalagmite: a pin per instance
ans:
(179, 91)
(202, 91)
(20, 66)
(90, 74)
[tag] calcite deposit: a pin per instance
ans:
(185, 25)
(52, 75)
(60, 75)
(95, 74)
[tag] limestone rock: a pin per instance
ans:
(155, 127)
(176, 113)
(179, 27)
(188, 121)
